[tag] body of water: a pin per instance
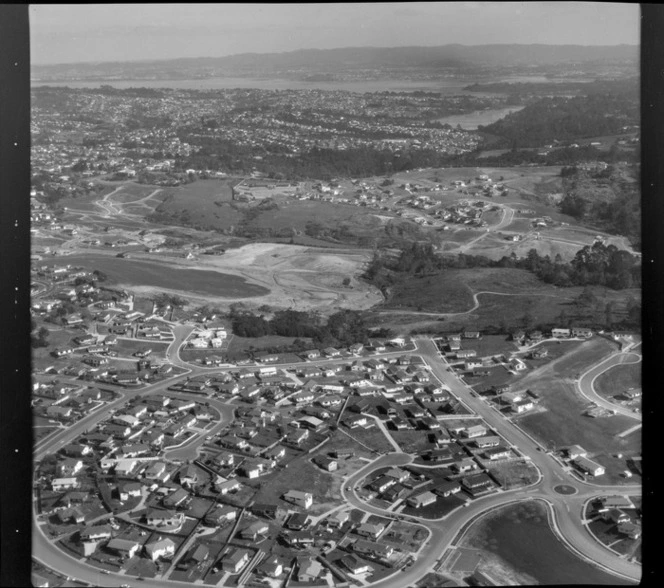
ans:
(472, 120)
(448, 86)
(521, 537)
(163, 275)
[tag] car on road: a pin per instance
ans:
(105, 572)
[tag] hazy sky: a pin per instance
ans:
(129, 32)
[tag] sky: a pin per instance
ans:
(135, 32)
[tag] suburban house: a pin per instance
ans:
(446, 489)
(326, 463)
(156, 517)
(372, 550)
(588, 466)
(64, 484)
(220, 514)
(302, 499)
(354, 565)
(226, 486)
(96, 533)
(254, 531)
(423, 499)
(338, 519)
(560, 333)
(308, 569)
(235, 560)
(497, 453)
(124, 547)
(271, 567)
(162, 548)
(382, 483)
(180, 496)
(477, 482)
(370, 530)
(582, 332)
(464, 465)
(474, 431)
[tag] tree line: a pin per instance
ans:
(343, 328)
(596, 264)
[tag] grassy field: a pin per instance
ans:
(618, 379)
(127, 348)
(412, 441)
(205, 203)
(514, 474)
(372, 437)
(490, 345)
(240, 345)
(563, 423)
(302, 475)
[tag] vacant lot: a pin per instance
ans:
(127, 347)
(514, 474)
(564, 423)
(302, 475)
(490, 345)
(618, 379)
(372, 437)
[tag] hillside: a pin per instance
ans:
(567, 119)
(309, 61)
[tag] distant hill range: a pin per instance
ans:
(314, 61)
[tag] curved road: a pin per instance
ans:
(586, 383)
(567, 510)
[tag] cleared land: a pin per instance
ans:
(564, 423)
(618, 379)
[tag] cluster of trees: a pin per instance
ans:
(39, 337)
(344, 327)
(604, 199)
(596, 264)
(567, 119)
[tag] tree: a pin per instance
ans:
(608, 314)
(587, 298)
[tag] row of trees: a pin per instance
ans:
(344, 327)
